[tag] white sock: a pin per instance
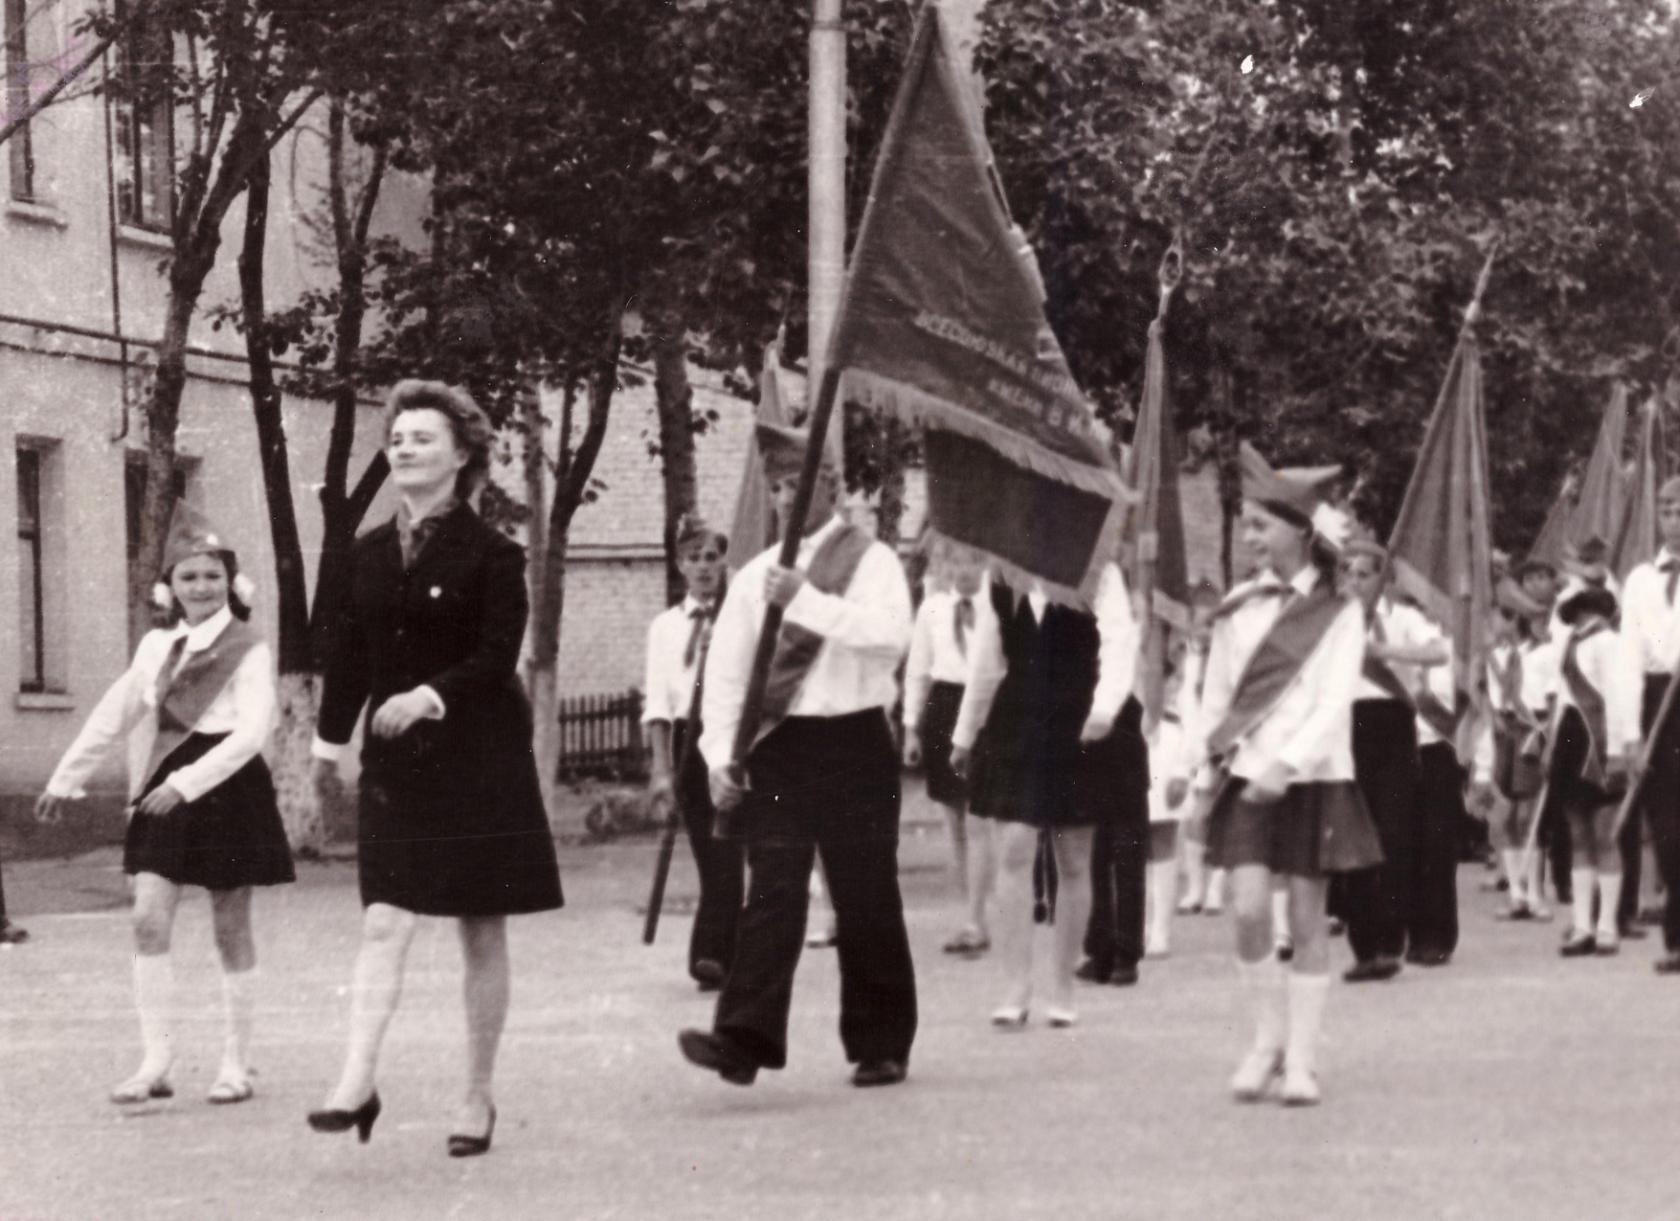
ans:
(1195, 874)
(1216, 888)
(1280, 917)
(1306, 1017)
(1162, 878)
(154, 996)
(1609, 897)
(1581, 899)
(1513, 862)
(239, 1003)
(1263, 982)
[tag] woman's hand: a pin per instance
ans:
(727, 790)
(159, 801)
(328, 784)
(400, 713)
(49, 808)
(1271, 784)
(961, 760)
(912, 748)
(1097, 727)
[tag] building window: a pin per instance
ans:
(32, 670)
(20, 149)
(143, 114)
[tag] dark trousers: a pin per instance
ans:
(825, 785)
(1661, 805)
(1120, 847)
(719, 863)
(1432, 906)
(1374, 902)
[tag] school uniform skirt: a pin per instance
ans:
(1313, 830)
(229, 838)
(938, 721)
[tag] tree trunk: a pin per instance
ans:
(299, 701)
(573, 470)
(674, 398)
(532, 427)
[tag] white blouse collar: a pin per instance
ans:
(204, 634)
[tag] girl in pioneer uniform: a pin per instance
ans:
(1276, 727)
(197, 705)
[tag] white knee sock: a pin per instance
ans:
(1512, 858)
(1216, 888)
(1195, 872)
(1263, 982)
(154, 996)
(239, 1003)
(1280, 918)
(1581, 899)
(1609, 898)
(1306, 1017)
(1162, 878)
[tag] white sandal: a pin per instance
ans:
(232, 1086)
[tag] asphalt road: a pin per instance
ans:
(1511, 1083)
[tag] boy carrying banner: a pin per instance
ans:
(822, 777)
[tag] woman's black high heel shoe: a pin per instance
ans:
(331, 1119)
(472, 1146)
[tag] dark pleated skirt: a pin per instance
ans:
(229, 838)
(938, 722)
(1311, 831)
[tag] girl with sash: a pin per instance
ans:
(1061, 751)
(197, 704)
(1277, 730)
(1597, 739)
(1507, 765)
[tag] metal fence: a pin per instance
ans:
(601, 737)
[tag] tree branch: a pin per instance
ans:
(16, 123)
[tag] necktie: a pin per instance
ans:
(1378, 632)
(171, 663)
(1671, 566)
(963, 619)
(415, 537)
(698, 615)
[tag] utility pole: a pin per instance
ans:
(826, 257)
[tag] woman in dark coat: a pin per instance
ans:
(451, 819)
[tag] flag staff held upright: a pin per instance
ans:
(822, 411)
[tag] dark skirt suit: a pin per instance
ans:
(451, 818)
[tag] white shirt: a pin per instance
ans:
(1650, 625)
(1117, 651)
(865, 634)
(670, 681)
(935, 655)
(1404, 627)
(1605, 663)
(244, 710)
(1310, 728)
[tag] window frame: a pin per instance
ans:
(144, 130)
(30, 458)
(20, 151)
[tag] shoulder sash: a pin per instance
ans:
(1276, 663)
(187, 695)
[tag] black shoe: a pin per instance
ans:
(719, 1054)
(1429, 958)
(331, 1119)
(1093, 972)
(473, 1146)
(11, 934)
(879, 1072)
(708, 973)
(1649, 916)
(1631, 932)
(1123, 977)
(1371, 970)
(1578, 945)
(1668, 964)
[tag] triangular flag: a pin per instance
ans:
(1549, 542)
(1637, 539)
(754, 527)
(1598, 509)
(943, 324)
(1158, 575)
(1441, 546)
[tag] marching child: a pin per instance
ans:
(1283, 673)
(1597, 738)
(197, 704)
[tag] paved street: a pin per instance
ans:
(1510, 1084)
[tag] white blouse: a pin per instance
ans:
(244, 710)
(1310, 727)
